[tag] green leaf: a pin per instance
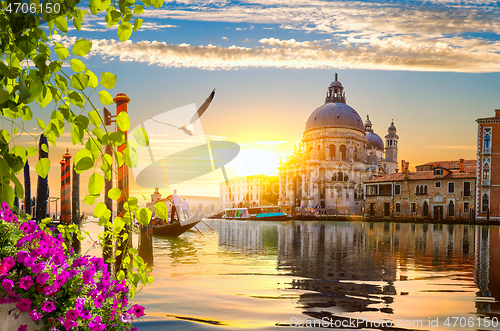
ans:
(108, 80)
(161, 210)
(61, 83)
(143, 216)
(84, 160)
(81, 47)
(95, 118)
(118, 224)
(76, 99)
(124, 31)
(96, 184)
(62, 23)
(19, 188)
(7, 195)
(61, 51)
(138, 9)
(141, 137)
(5, 136)
(89, 199)
(32, 151)
(77, 133)
(44, 148)
(137, 24)
(99, 209)
(41, 123)
(28, 114)
(4, 95)
(105, 98)
(114, 193)
(77, 65)
(42, 167)
(131, 155)
(47, 98)
(123, 121)
(146, 2)
(157, 3)
(79, 81)
(93, 81)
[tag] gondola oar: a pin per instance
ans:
(206, 224)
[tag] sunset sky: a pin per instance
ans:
(432, 66)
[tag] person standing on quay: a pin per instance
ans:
(185, 210)
(176, 206)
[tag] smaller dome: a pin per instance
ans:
(336, 83)
(368, 122)
(392, 127)
(374, 141)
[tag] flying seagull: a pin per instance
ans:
(189, 128)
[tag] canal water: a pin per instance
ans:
(248, 275)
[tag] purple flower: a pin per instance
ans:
(71, 315)
(88, 276)
(29, 261)
(42, 278)
(95, 324)
(126, 318)
(68, 324)
(35, 316)
(137, 310)
(7, 284)
(25, 282)
(49, 290)
(99, 301)
(37, 268)
(23, 305)
(23, 327)
(21, 256)
(85, 314)
(79, 303)
(48, 306)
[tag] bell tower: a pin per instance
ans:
(390, 162)
(335, 92)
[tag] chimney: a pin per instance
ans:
(407, 165)
(402, 166)
(397, 170)
(497, 113)
(462, 165)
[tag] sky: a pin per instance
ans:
(430, 66)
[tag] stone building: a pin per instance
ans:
(488, 155)
(337, 153)
(436, 190)
(256, 190)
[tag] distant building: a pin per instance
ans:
(437, 190)
(488, 170)
(256, 190)
(338, 152)
(209, 205)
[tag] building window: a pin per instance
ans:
(343, 152)
(451, 188)
(451, 209)
(398, 207)
(413, 207)
(487, 141)
(466, 207)
(340, 177)
(486, 203)
(438, 172)
(486, 174)
(397, 189)
(387, 209)
(332, 152)
(466, 189)
(437, 184)
(417, 190)
(371, 190)
(425, 189)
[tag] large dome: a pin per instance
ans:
(374, 141)
(334, 114)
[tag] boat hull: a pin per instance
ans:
(176, 229)
(268, 218)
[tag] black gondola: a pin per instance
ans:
(176, 229)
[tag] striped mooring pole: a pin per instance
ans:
(65, 189)
(121, 101)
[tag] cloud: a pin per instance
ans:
(409, 53)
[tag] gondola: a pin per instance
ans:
(176, 229)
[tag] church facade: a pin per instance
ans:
(337, 153)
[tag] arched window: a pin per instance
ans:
(425, 189)
(340, 177)
(343, 152)
(417, 190)
(451, 209)
(486, 203)
(487, 140)
(332, 152)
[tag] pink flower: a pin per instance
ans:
(7, 284)
(48, 306)
(42, 278)
(26, 282)
(21, 256)
(35, 316)
(79, 303)
(23, 305)
(85, 314)
(22, 327)
(68, 324)
(71, 315)
(37, 268)
(137, 310)
(50, 290)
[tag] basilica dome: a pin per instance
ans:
(374, 141)
(334, 114)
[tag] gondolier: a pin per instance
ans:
(176, 206)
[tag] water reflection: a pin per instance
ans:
(255, 274)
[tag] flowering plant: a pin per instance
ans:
(63, 290)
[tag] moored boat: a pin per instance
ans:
(265, 213)
(176, 229)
